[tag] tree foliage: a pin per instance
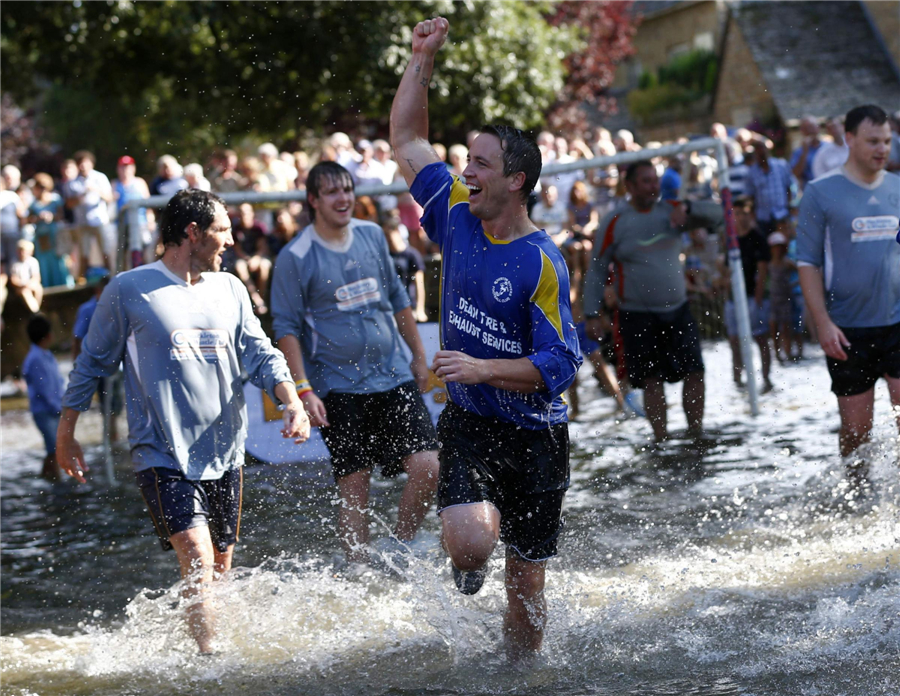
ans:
(608, 29)
(180, 77)
(686, 83)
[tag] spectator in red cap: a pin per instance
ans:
(128, 187)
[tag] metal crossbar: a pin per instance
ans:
(700, 145)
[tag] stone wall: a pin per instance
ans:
(742, 95)
(885, 15)
(658, 35)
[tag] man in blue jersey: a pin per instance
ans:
(509, 350)
(186, 334)
(849, 265)
(340, 312)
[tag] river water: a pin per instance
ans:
(747, 569)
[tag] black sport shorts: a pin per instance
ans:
(660, 345)
(176, 504)
(524, 473)
(378, 429)
(873, 353)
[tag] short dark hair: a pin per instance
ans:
(631, 172)
(185, 207)
(520, 154)
(332, 171)
(84, 155)
(858, 114)
(38, 328)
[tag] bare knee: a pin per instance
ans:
(423, 465)
(470, 533)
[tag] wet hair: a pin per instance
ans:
(867, 112)
(185, 207)
(324, 172)
(634, 167)
(520, 154)
(38, 328)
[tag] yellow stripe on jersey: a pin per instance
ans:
(494, 240)
(458, 192)
(546, 294)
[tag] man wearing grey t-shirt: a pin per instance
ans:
(849, 263)
(186, 335)
(340, 312)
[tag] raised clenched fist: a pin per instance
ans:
(429, 36)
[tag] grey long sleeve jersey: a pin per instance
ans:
(646, 251)
(184, 348)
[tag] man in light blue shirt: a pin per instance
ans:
(849, 263)
(340, 312)
(186, 334)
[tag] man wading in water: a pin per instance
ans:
(509, 350)
(184, 332)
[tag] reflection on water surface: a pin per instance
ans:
(747, 566)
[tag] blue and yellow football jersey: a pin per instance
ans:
(500, 300)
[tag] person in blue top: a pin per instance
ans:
(670, 182)
(849, 265)
(79, 332)
(187, 335)
(45, 389)
(509, 350)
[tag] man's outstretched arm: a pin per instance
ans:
(409, 112)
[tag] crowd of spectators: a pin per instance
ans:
(62, 231)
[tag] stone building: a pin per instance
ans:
(777, 61)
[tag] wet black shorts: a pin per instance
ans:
(660, 345)
(523, 473)
(873, 353)
(379, 429)
(177, 504)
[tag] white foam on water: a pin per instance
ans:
(782, 582)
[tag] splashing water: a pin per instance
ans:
(748, 566)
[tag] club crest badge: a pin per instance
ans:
(502, 290)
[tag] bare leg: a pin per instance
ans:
(856, 420)
(572, 398)
(608, 382)
(418, 493)
(526, 612)
(737, 361)
(765, 353)
(50, 468)
(196, 560)
(353, 524)
(655, 406)
(894, 391)
(470, 533)
(693, 398)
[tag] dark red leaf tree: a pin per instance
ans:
(609, 26)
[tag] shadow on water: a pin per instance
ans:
(745, 565)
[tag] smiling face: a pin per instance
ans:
(869, 146)
(334, 203)
(489, 191)
(211, 244)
